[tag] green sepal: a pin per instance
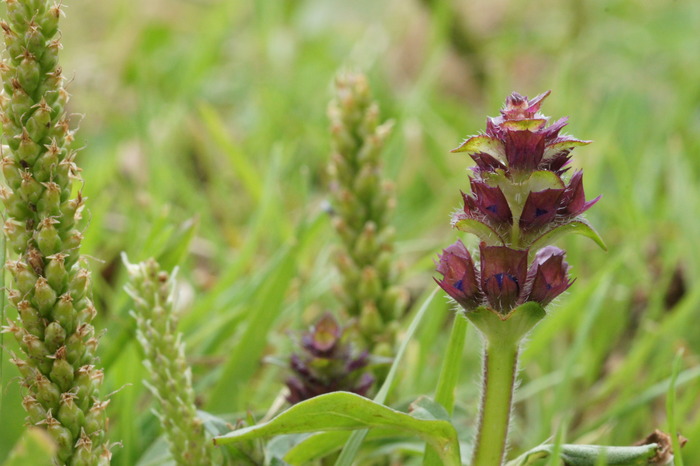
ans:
(579, 226)
(484, 232)
(485, 144)
(507, 328)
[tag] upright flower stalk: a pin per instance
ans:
(51, 288)
(362, 201)
(521, 200)
(156, 330)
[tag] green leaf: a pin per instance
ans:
(589, 455)
(348, 411)
(34, 447)
(580, 227)
(481, 230)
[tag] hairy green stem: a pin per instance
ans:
(500, 366)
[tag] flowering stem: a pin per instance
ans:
(500, 366)
(502, 337)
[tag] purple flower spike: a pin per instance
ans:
(549, 275)
(540, 208)
(574, 200)
(327, 363)
(459, 276)
(503, 275)
(488, 200)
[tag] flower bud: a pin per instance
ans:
(34, 409)
(55, 272)
(79, 284)
(47, 237)
(13, 43)
(29, 189)
(44, 296)
(10, 172)
(16, 234)
(61, 435)
(62, 371)
(45, 165)
(49, 60)
(47, 393)
(64, 314)
(31, 319)
(70, 415)
(28, 72)
(28, 151)
(24, 277)
(55, 336)
(83, 455)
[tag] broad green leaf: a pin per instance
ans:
(35, 447)
(580, 227)
(348, 411)
(589, 455)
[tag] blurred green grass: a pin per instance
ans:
(213, 112)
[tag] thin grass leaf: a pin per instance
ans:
(449, 375)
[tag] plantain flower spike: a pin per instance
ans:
(171, 383)
(51, 289)
(362, 201)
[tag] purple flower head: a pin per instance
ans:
(327, 364)
(503, 281)
(520, 141)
